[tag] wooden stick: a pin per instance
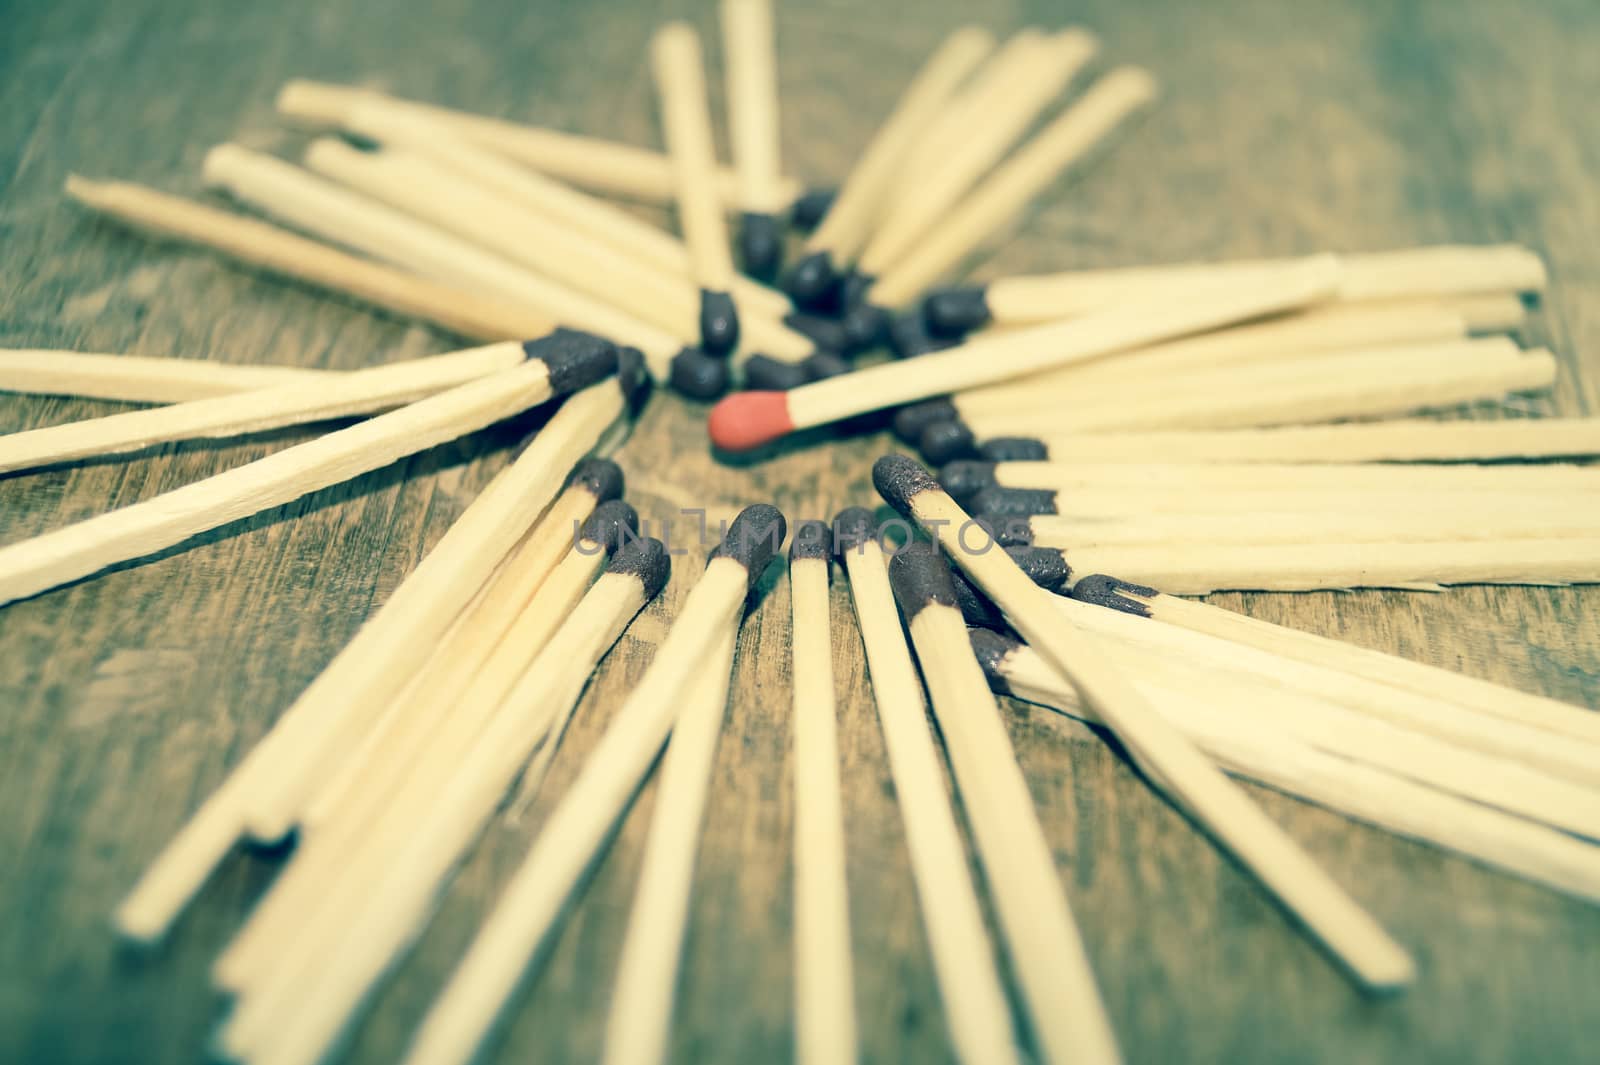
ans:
(1378, 798)
(1060, 476)
(1491, 521)
(377, 663)
(752, 90)
(320, 398)
(750, 419)
(1374, 960)
(337, 214)
(824, 1003)
(618, 169)
(1057, 981)
(974, 1005)
(1004, 193)
(479, 315)
(138, 378)
(639, 1019)
(577, 828)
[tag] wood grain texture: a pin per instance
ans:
(1284, 129)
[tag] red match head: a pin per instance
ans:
(746, 420)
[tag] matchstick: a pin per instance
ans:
(975, 1007)
(577, 829)
(1357, 942)
(1413, 440)
(138, 378)
(1480, 696)
(380, 659)
(639, 1018)
(1408, 273)
(303, 1015)
(824, 985)
(1008, 95)
(1002, 195)
(844, 229)
(750, 419)
(1384, 800)
(1057, 981)
(480, 315)
(322, 397)
(607, 166)
(750, 51)
(680, 78)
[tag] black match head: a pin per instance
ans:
(1000, 502)
(719, 323)
(900, 479)
(965, 478)
(852, 528)
(1008, 530)
(1045, 566)
(813, 538)
(944, 442)
(823, 365)
(1101, 590)
(633, 375)
(1014, 449)
(811, 208)
(766, 374)
(911, 420)
(864, 327)
(920, 578)
(574, 359)
(976, 608)
(908, 337)
(697, 375)
(612, 524)
(826, 333)
(601, 477)
(760, 245)
(753, 538)
(644, 559)
(992, 649)
(955, 312)
(812, 280)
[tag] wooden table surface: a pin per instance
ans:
(125, 699)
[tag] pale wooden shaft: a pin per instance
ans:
(750, 54)
(1337, 476)
(1492, 521)
(686, 122)
(138, 378)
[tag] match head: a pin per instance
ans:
(823, 365)
(909, 337)
(1000, 502)
(813, 538)
(746, 420)
(762, 373)
(647, 560)
(864, 326)
(754, 538)
(921, 577)
(911, 420)
(965, 478)
(612, 524)
(1007, 530)
(811, 207)
(602, 478)
(1014, 449)
(853, 527)
(760, 245)
(1045, 566)
(976, 608)
(955, 312)
(633, 376)
(1101, 590)
(575, 360)
(719, 323)
(812, 280)
(826, 333)
(697, 375)
(899, 480)
(992, 649)
(944, 442)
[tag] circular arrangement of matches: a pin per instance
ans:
(1100, 446)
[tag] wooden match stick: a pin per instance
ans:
(577, 829)
(750, 419)
(479, 315)
(380, 659)
(1374, 960)
(680, 78)
(1480, 696)
(824, 987)
(1008, 95)
(1391, 441)
(1385, 800)
(1057, 981)
(843, 231)
(750, 51)
(322, 397)
(619, 169)
(974, 1005)
(138, 378)
(305, 1015)
(639, 1018)
(1002, 195)
(1408, 273)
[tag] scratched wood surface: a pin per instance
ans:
(125, 699)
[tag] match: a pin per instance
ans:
(750, 55)
(138, 378)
